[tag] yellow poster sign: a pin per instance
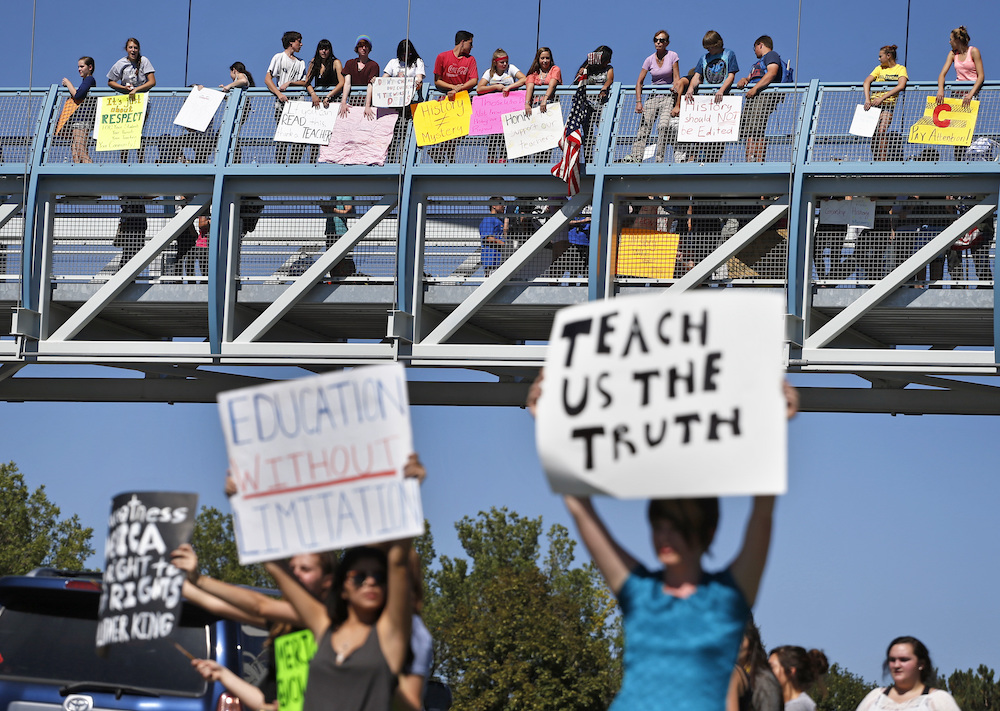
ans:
(646, 253)
(293, 652)
(119, 121)
(946, 124)
(440, 121)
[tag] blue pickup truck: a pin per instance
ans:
(48, 662)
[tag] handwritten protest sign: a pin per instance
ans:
(119, 120)
(356, 140)
(705, 121)
(318, 463)
(525, 135)
(393, 92)
(440, 121)
(301, 122)
(292, 652)
(665, 396)
(647, 253)
(141, 593)
(199, 109)
(858, 212)
(947, 124)
(864, 122)
(488, 108)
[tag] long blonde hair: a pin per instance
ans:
(493, 64)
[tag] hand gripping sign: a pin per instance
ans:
(665, 396)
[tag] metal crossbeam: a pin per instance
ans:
(283, 304)
(938, 244)
(493, 283)
(117, 283)
(744, 236)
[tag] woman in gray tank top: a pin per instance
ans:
(363, 634)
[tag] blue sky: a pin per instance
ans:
(889, 526)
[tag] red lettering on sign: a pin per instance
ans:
(938, 121)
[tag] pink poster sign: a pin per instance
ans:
(487, 110)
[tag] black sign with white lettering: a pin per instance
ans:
(141, 595)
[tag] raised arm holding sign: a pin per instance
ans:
(665, 666)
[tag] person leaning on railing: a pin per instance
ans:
(759, 107)
(886, 71)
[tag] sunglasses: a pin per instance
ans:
(660, 40)
(358, 577)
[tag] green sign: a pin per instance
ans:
(293, 653)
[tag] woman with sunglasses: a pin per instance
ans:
(363, 634)
(662, 65)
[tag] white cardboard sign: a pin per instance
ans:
(864, 122)
(301, 122)
(199, 108)
(665, 396)
(393, 92)
(318, 463)
(706, 121)
(858, 212)
(525, 135)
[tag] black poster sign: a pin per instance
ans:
(141, 595)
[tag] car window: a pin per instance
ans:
(59, 649)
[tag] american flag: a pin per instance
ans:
(568, 168)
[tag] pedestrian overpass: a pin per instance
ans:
(96, 266)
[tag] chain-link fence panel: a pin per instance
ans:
(661, 238)
(467, 238)
(280, 237)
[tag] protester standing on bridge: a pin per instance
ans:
(83, 117)
(663, 66)
(683, 626)
(542, 72)
(131, 75)
(797, 670)
(968, 67)
(359, 71)
(908, 662)
(758, 107)
(886, 71)
(718, 67)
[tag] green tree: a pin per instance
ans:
(840, 690)
(975, 690)
(215, 544)
(32, 532)
(514, 630)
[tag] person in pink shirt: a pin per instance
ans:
(662, 65)
(968, 65)
(542, 72)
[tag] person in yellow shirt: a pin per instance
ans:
(887, 71)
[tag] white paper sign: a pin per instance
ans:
(705, 121)
(301, 122)
(525, 135)
(857, 212)
(199, 108)
(864, 122)
(393, 92)
(318, 463)
(665, 396)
